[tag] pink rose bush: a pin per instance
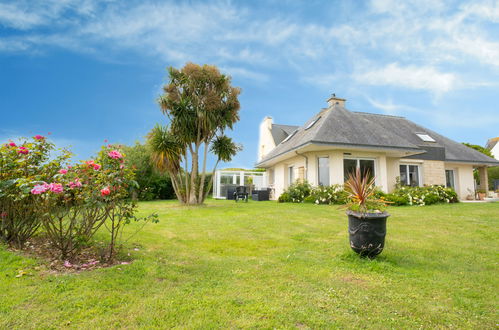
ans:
(115, 154)
(25, 169)
(70, 202)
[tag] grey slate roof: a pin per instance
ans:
(280, 132)
(342, 128)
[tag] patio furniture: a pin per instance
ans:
(260, 195)
(241, 193)
(231, 190)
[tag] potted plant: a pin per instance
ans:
(481, 194)
(366, 215)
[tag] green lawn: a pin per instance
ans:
(264, 264)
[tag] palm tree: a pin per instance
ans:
(201, 104)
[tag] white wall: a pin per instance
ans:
(336, 173)
(495, 151)
(265, 139)
(463, 178)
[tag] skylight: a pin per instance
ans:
(289, 137)
(312, 123)
(425, 137)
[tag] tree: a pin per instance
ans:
(152, 183)
(201, 104)
(493, 172)
(481, 149)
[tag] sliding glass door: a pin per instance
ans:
(365, 166)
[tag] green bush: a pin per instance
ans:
(333, 194)
(296, 193)
(493, 174)
(152, 185)
(422, 195)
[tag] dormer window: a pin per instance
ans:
(289, 137)
(425, 137)
(312, 123)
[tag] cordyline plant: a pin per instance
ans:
(21, 164)
(200, 104)
(361, 189)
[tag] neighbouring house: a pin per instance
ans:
(493, 146)
(335, 141)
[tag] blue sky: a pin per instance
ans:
(89, 70)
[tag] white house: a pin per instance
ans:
(335, 141)
(493, 146)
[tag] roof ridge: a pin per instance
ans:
(377, 114)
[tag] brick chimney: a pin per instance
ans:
(333, 100)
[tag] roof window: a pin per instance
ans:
(312, 123)
(425, 137)
(289, 136)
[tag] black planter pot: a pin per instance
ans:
(367, 232)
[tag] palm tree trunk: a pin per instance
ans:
(194, 174)
(203, 175)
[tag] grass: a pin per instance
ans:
(264, 264)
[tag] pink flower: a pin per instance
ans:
(40, 189)
(39, 137)
(23, 150)
(122, 166)
(67, 264)
(105, 191)
(75, 184)
(115, 154)
(91, 163)
(56, 188)
(12, 144)
(63, 171)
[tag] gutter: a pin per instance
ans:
(306, 164)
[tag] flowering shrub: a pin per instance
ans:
(422, 195)
(21, 166)
(333, 194)
(296, 193)
(70, 202)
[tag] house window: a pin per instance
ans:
(425, 137)
(323, 171)
(449, 179)
(409, 175)
(365, 166)
(291, 174)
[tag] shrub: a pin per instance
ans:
(422, 195)
(152, 184)
(21, 164)
(296, 193)
(83, 198)
(71, 203)
(333, 194)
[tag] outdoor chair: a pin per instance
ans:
(241, 193)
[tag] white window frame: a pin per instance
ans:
(420, 181)
(328, 168)
(453, 177)
(291, 174)
(358, 159)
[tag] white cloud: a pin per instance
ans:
(244, 73)
(18, 17)
(412, 77)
